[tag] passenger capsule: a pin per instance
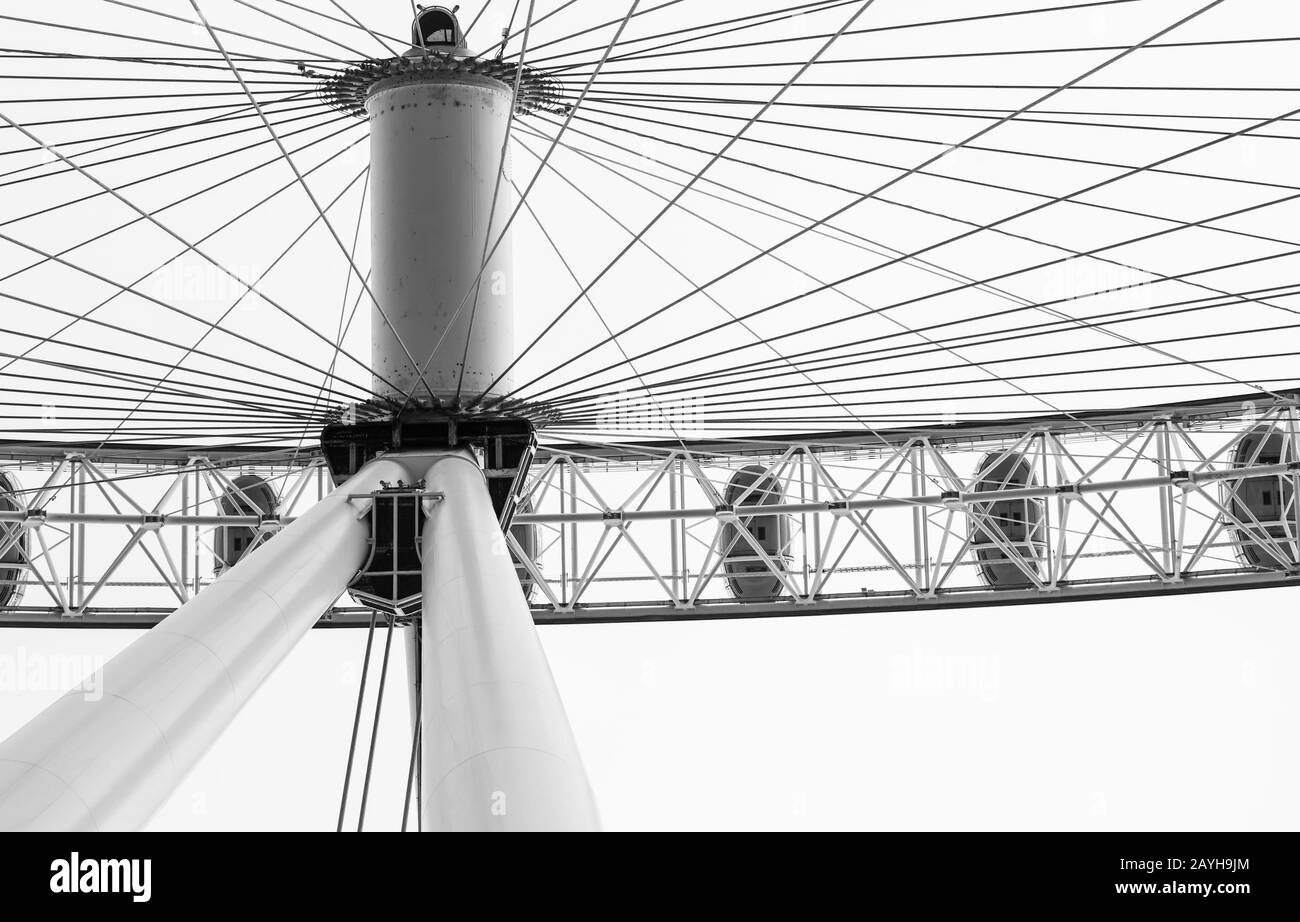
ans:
(1265, 504)
(255, 497)
(1016, 524)
(12, 569)
(748, 576)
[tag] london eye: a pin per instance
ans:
(439, 326)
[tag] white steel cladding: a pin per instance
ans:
(436, 142)
(1007, 535)
(498, 751)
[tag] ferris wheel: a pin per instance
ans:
(446, 322)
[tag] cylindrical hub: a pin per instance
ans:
(436, 142)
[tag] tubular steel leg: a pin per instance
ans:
(106, 755)
(498, 752)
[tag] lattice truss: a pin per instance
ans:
(1146, 506)
(125, 543)
(1174, 501)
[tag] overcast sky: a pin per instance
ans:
(1146, 714)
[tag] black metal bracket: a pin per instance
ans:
(390, 581)
(505, 444)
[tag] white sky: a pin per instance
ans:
(1150, 714)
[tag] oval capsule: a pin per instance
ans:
(1264, 506)
(252, 495)
(748, 574)
(1002, 528)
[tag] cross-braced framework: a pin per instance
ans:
(121, 538)
(1179, 500)
(1176, 499)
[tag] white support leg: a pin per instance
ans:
(498, 751)
(105, 756)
